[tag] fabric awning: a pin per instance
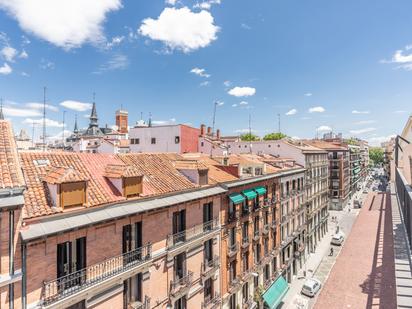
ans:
(236, 198)
(260, 190)
(277, 291)
(250, 194)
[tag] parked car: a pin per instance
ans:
(311, 287)
(365, 191)
(357, 204)
(338, 239)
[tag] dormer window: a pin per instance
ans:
(67, 187)
(126, 178)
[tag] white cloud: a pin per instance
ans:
(164, 122)
(308, 94)
(25, 74)
(234, 105)
(117, 62)
(206, 5)
(20, 112)
(377, 140)
(245, 26)
(323, 128)
(400, 112)
(220, 103)
(362, 131)
(403, 60)
(205, 83)
(316, 109)
(243, 103)
(76, 105)
(200, 72)
(171, 2)
(39, 106)
(114, 42)
(59, 136)
(227, 83)
(365, 122)
(360, 112)
(49, 122)
(181, 29)
(293, 111)
(5, 69)
(245, 131)
(24, 54)
(8, 53)
(67, 24)
(46, 64)
(242, 91)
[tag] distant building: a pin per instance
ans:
(122, 121)
(23, 141)
(177, 138)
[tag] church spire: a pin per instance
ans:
(93, 115)
(76, 129)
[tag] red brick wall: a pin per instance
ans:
(189, 139)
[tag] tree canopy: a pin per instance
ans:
(376, 155)
(274, 136)
(247, 137)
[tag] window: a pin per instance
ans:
(180, 266)
(71, 257)
(179, 226)
(153, 140)
(245, 292)
(202, 144)
(132, 186)
(132, 290)
(232, 301)
(180, 303)
(208, 289)
(73, 194)
(267, 272)
(245, 261)
(208, 251)
(245, 232)
(232, 271)
(177, 139)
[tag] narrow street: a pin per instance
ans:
(320, 263)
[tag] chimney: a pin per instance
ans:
(202, 130)
(209, 131)
(218, 133)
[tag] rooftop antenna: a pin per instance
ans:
(44, 118)
(1, 109)
(214, 117)
(64, 114)
(150, 119)
(32, 133)
(250, 133)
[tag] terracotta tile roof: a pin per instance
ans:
(11, 175)
(300, 144)
(61, 174)
(160, 177)
(121, 170)
(326, 145)
(188, 164)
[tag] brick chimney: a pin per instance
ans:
(209, 131)
(202, 130)
(218, 133)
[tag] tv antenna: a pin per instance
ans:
(44, 118)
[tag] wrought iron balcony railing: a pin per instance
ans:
(245, 242)
(210, 266)
(140, 305)
(95, 274)
(192, 233)
(211, 302)
(233, 249)
(183, 282)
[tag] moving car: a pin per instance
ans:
(338, 239)
(311, 287)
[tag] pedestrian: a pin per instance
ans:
(331, 252)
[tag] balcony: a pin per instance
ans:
(284, 219)
(233, 249)
(209, 267)
(256, 235)
(180, 286)
(189, 237)
(249, 303)
(266, 229)
(56, 292)
(274, 224)
(212, 302)
(231, 216)
(140, 305)
(234, 284)
(245, 242)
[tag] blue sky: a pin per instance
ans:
(341, 65)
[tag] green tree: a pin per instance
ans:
(274, 136)
(376, 155)
(247, 137)
(352, 141)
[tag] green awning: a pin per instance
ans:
(236, 198)
(274, 295)
(250, 194)
(260, 190)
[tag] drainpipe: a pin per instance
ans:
(11, 257)
(24, 276)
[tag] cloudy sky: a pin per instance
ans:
(321, 65)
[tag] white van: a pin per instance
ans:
(311, 287)
(338, 239)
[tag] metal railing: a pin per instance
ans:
(192, 233)
(140, 305)
(231, 216)
(209, 266)
(404, 192)
(245, 242)
(233, 249)
(211, 302)
(182, 282)
(77, 281)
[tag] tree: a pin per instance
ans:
(376, 155)
(247, 137)
(274, 136)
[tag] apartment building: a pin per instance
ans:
(339, 172)
(176, 138)
(355, 167)
(263, 227)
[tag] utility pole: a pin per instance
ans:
(44, 118)
(64, 114)
(279, 123)
(32, 133)
(214, 117)
(250, 134)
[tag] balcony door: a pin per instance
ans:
(71, 257)
(132, 240)
(132, 292)
(208, 251)
(207, 215)
(179, 226)
(180, 266)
